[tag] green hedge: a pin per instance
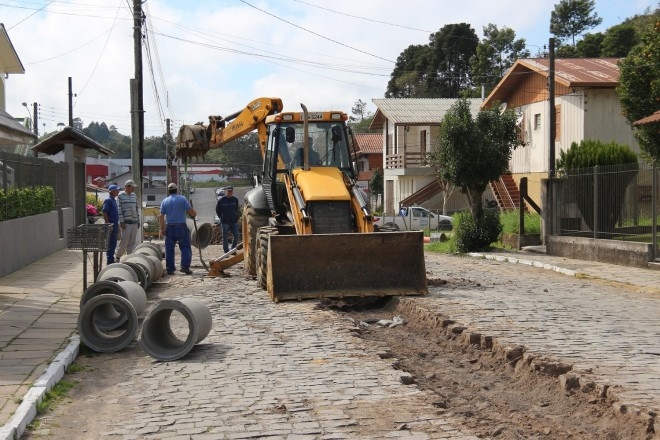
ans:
(23, 202)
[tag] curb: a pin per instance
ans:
(526, 262)
(27, 410)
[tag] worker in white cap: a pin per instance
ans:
(129, 219)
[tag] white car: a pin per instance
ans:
(414, 218)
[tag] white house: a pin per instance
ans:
(586, 107)
(410, 129)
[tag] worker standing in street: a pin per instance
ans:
(227, 211)
(172, 222)
(129, 219)
(111, 217)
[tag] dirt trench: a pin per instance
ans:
(497, 391)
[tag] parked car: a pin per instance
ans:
(414, 218)
(220, 192)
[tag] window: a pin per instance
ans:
(537, 121)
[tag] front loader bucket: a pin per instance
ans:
(346, 265)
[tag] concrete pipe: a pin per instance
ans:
(158, 339)
(154, 246)
(142, 273)
(204, 235)
(117, 272)
(107, 341)
(146, 262)
(158, 266)
(147, 250)
(106, 316)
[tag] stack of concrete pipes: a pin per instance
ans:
(109, 309)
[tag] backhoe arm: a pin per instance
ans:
(196, 140)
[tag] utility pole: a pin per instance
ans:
(137, 107)
(551, 100)
(167, 154)
(552, 127)
(35, 124)
(70, 104)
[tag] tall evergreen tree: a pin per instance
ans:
(495, 54)
(572, 18)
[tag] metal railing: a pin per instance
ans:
(618, 202)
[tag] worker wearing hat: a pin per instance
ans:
(173, 226)
(111, 217)
(129, 219)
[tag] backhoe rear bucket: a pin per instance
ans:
(346, 265)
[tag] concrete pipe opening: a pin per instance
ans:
(166, 338)
(146, 262)
(112, 340)
(142, 273)
(117, 272)
(203, 237)
(154, 246)
(106, 316)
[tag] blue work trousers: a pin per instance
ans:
(112, 244)
(177, 233)
(226, 227)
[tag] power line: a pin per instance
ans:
(363, 18)
(314, 33)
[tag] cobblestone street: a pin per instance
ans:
(291, 370)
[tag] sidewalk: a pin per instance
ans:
(39, 307)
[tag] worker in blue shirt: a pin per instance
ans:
(173, 226)
(111, 216)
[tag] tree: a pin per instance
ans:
(639, 89)
(590, 46)
(571, 18)
(361, 119)
(440, 69)
(619, 40)
(412, 74)
(473, 151)
(495, 54)
(453, 47)
(376, 183)
(242, 156)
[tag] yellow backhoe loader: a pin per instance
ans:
(307, 229)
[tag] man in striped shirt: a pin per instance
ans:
(129, 219)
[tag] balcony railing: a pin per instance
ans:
(410, 159)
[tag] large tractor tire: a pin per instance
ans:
(251, 224)
(262, 256)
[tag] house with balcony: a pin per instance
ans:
(410, 128)
(14, 136)
(586, 107)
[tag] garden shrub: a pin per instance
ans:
(471, 235)
(23, 202)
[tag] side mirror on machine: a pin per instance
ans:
(290, 135)
(336, 133)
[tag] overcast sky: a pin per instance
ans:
(214, 56)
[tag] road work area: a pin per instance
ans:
(496, 350)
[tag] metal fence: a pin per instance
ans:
(18, 171)
(618, 202)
